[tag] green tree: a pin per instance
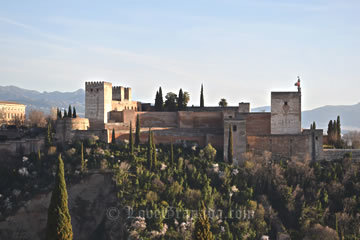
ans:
(58, 225)
(202, 226)
(170, 102)
(202, 96)
(74, 113)
(48, 141)
(83, 163)
(137, 131)
(313, 126)
(161, 100)
(338, 131)
(65, 114)
(154, 160)
(113, 139)
(157, 101)
(69, 115)
(223, 102)
(172, 154)
(150, 151)
(180, 100)
(131, 140)
(230, 146)
(58, 113)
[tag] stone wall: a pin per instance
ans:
(285, 112)
(98, 100)
(65, 128)
(23, 146)
(338, 154)
(258, 123)
(200, 119)
(125, 105)
(239, 139)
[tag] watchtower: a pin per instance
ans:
(98, 101)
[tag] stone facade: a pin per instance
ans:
(12, 111)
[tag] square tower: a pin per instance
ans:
(98, 101)
(285, 112)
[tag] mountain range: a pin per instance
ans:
(44, 101)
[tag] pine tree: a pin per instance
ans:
(202, 226)
(137, 131)
(83, 163)
(230, 146)
(161, 100)
(172, 154)
(149, 152)
(65, 114)
(131, 140)
(74, 113)
(69, 115)
(58, 225)
(113, 139)
(202, 97)
(180, 100)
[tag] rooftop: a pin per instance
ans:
(8, 102)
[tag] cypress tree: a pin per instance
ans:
(65, 114)
(154, 160)
(230, 146)
(131, 141)
(330, 132)
(137, 131)
(48, 135)
(202, 97)
(149, 151)
(172, 154)
(58, 113)
(202, 226)
(58, 225)
(157, 101)
(161, 100)
(69, 115)
(113, 139)
(74, 112)
(38, 161)
(338, 130)
(83, 163)
(180, 100)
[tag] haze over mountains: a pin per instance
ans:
(350, 114)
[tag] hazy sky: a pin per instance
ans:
(240, 50)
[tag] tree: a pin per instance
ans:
(65, 114)
(170, 102)
(113, 139)
(161, 100)
(202, 226)
(230, 146)
(172, 154)
(223, 102)
(48, 141)
(74, 113)
(58, 225)
(149, 151)
(313, 126)
(137, 131)
(186, 99)
(180, 100)
(131, 141)
(37, 118)
(58, 113)
(83, 163)
(338, 130)
(202, 96)
(157, 101)
(154, 160)
(69, 115)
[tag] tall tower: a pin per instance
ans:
(98, 100)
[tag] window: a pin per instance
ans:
(234, 128)
(230, 116)
(285, 103)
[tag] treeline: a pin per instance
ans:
(334, 133)
(71, 113)
(173, 101)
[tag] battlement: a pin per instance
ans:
(100, 84)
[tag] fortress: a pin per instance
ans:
(111, 108)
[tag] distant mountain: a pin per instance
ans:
(349, 116)
(44, 100)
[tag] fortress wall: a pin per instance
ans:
(124, 105)
(83, 135)
(339, 154)
(258, 123)
(24, 146)
(281, 146)
(200, 119)
(151, 119)
(64, 127)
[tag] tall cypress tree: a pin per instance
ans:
(330, 132)
(154, 160)
(65, 114)
(157, 101)
(180, 100)
(74, 113)
(202, 97)
(172, 154)
(149, 151)
(137, 131)
(48, 135)
(202, 226)
(58, 225)
(83, 163)
(338, 131)
(69, 114)
(230, 146)
(113, 139)
(58, 113)
(131, 140)
(161, 100)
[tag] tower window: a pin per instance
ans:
(234, 128)
(285, 103)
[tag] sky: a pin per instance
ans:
(240, 50)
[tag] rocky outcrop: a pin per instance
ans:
(89, 203)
